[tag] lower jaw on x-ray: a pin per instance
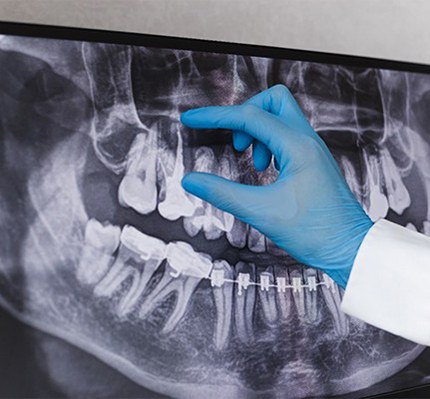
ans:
(101, 247)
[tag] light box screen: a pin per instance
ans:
(143, 286)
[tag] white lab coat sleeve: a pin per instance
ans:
(389, 285)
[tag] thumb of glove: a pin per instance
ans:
(227, 195)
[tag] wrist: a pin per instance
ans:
(355, 238)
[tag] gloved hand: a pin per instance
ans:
(309, 211)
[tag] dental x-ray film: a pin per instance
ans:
(101, 249)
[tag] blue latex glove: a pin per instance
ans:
(309, 211)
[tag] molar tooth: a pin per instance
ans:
(223, 296)
(138, 188)
(185, 268)
(118, 273)
(350, 176)
(128, 302)
(148, 251)
(206, 217)
(411, 226)
(146, 246)
(245, 302)
(296, 277)
(397, 193)
(256, 241)
(135, 248)
(426, 227)
(284, 296)
(267, 295)
(273, 249)
(184, 288)
(176, 202)
(123, 275)
(237, 235)
(184, 291)
(213, 228)
(228, 168)
(312, 313)
(376, 203)
(333, 299)
(101, 241)
(184, 260)
(193, 225)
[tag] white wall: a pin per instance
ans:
(392, 29)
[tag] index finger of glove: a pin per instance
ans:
(279, 101)
(248, 118)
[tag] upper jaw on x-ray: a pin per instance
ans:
(102, 247)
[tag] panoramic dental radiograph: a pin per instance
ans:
(101, 247)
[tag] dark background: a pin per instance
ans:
(23, 371)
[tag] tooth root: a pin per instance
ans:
(267, 295)
(128, 302)
(114, 277)
(284, 296)
(237, 235)
(245, 303)
(185, 268)
(176, 202)
(350, 176)
(223, 297)
(183, 286)
(138, 188)
(145, 250)
(397, 193)
(129, 271)
(101, 288)
(312, 313)
(93, 265)
(109, 288)
(256, 240)
(135, 247)
(164, 287)
(333, 299)
(100, 243)
(185, 291)
(296, 278)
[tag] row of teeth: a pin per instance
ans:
(152, 181)
(154, 172)
(243, 281)
(113, 257)
(380, 187)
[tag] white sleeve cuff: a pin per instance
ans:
(389, 285)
